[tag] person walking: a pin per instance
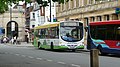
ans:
(15, 39)
(5, 39)
(12, 40)
(27, 38)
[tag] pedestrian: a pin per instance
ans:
(15, 39)
(12, 40)
(5, 39)
(27, 39)
(18, 40)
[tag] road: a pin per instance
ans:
(29, 56)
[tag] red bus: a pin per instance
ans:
(105, 36)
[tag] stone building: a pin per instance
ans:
(13, 21)
(88, 10)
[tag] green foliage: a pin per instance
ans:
(55, 0)
(4, 4)
(45, 3)
(39, 1)
(61, 1)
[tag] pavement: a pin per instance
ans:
(23, 44)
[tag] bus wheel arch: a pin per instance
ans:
(39, 45)
(99, 47)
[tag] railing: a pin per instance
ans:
(88, 8)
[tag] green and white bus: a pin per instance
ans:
(60, 35)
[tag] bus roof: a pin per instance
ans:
(105, 22)
(53, 24)
(47, 25)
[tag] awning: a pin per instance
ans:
(47, 25)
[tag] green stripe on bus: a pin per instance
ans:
(60, 47)
(55, 47)
(80, 47)
(35, 43)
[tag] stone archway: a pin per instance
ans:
(11, 32)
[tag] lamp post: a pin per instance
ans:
(12, 24)
(50, 10)
(10, 13)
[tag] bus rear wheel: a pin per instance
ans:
(73, 50)
(100, 50)
(39, 45)
(51, 46)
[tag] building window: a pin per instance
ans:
(67, 18)
(92, 19)
(99, 1)
(74, 2)
(99, 18)
(91, 1)
(33, 15)
(33, 26)
(77, 3)
(114, 16)
(107, 17)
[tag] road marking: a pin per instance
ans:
(30, 57)
(6, 52)
(17, 54)
(61, 62)
(39, 58)
(48, 60)
(75, 65)
(10, 53)
(23, 55)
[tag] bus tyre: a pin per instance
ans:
(73, 50)
(100, 50)
(39, 45)
(51, 46)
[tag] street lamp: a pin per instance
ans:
(50, 10)
(10, 12)
(12, 23)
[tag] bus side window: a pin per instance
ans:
(57, 32)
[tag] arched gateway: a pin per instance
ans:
(12, 29)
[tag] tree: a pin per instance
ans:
(3, 7)
(5, 3)
(45, 3)
(61, 1)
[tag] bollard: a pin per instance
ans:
(94, 58)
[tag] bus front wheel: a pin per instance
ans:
(100, 50)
